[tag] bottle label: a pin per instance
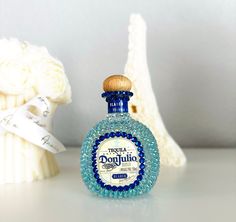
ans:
(118, 106)
(117, 161)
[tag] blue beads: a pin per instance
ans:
(138, 143)
(136, 182)
(139, 177)
(123, 134)
(141, 154)
(120, 188)
(96, 175)
(108, 187)
(132, 186)
(141, 160)
(106, 135)
(129, 136)
(112, 134)
(99, 181)
(118, 134)
(140, 149)
(97, 142)
(94, 157)
(114, 188)
(142, 166)
(134, 139)
(126, 188)
(117, 94)
(101, 138)
(141, 172)
(95, 147)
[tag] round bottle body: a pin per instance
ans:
(119, 157)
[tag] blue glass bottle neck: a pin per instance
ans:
(117, 101)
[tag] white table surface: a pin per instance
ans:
(204, 190)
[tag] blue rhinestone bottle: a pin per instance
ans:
(119, 156)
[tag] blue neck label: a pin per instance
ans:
(118, 106)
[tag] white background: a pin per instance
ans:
(191, 55)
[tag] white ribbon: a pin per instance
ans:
(33, 128)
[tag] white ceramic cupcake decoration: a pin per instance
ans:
(143, 105)
(32, 85)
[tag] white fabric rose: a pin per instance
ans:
(24, 66)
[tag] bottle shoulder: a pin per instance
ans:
(122, 123)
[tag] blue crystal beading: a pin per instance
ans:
(128, 128)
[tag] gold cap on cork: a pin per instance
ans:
(117, 83)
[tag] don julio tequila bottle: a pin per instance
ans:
(119, 156)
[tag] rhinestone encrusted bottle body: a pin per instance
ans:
(119, 156)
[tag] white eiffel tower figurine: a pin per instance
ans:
(143, 105)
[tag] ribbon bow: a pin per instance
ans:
(30, 126)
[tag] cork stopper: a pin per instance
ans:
(117, 83)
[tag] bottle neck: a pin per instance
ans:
(118, 106)
(117, 101)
